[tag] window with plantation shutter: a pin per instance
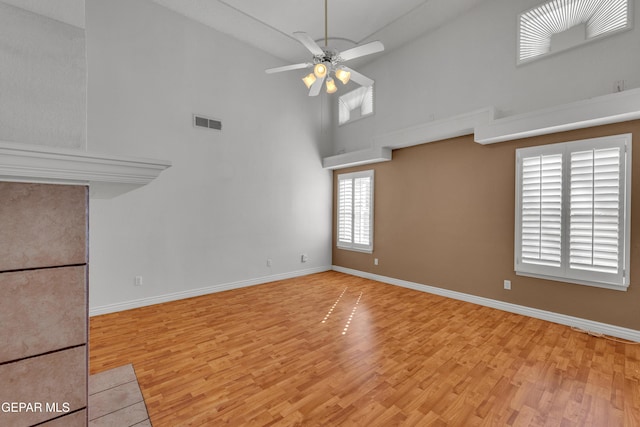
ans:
(573, 211)
(355, 211)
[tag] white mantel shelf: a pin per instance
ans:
(106, 175)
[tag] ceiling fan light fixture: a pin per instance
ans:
(320, 70)
(343, 75)
(326, 62)
(331, 85)
(309, 80)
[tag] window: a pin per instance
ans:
(355, 104)
(561, 24)
(573, 206)
(355, 211)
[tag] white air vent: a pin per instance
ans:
(205, 122)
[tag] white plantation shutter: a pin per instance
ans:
(355, 211)
(595, 210)
(542, 210)
(345, 211)
(362, 211)
(573, 211)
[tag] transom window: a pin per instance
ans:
(355, 104)
(561, 24)
(573, 211)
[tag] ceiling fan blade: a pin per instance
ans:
(316, 86)
(289, 67)
(363, 50)
(309, 43)
(361, 79)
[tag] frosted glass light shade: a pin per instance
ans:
(331, 85)
(320, 70)
(309, 80)
(343, 75)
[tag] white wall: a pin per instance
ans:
(42, 80)
(231, 199)
(470, 63)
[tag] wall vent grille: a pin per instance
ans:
(205, 122)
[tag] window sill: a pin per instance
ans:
(575, 282)
(346, 248)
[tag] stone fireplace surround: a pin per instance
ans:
(44, 205)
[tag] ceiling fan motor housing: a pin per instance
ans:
(330, 59)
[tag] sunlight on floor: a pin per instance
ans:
(333, 306)
(353, 313)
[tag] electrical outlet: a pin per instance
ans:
(507, 284)
(619, 85)
(137, 281)
(375, 261)
(269, 262)
(304, 258)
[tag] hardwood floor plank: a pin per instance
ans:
(333, 349)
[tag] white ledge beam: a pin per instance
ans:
(106, 175)
(601, 110)
(436, 130)
(357, 158)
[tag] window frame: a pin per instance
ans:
(352, 246)
(564, 273)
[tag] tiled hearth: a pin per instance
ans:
(115, 399)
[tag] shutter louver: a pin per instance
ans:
(542, 210)
(595, 210)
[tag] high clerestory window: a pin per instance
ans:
(355, 104)
(561, 24)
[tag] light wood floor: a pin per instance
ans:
(383, 356)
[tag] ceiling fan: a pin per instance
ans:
(327, 61)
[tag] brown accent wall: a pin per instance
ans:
(444, 217)
(43, 304)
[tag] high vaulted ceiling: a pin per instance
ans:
(268, 25)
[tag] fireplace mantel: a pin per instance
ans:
(106, 175)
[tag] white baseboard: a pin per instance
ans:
(142, 302)
(576, 322)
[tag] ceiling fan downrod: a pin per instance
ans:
(326, 25)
